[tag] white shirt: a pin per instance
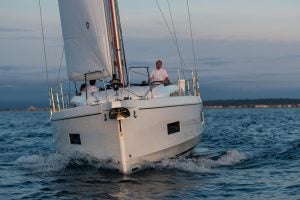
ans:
(82, 101)
(92, 89)
(159, 75)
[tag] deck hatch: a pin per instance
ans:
(75, 139)
(173, 128)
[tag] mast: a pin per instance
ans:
(117, 40)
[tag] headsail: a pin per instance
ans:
(86, 39)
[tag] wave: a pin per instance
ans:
(198, 164)
(43, 163)
(286, 151)
(58, 162)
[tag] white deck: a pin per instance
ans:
(130, 93)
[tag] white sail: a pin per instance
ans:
(85, 37)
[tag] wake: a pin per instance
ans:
(203, 165)
(196, 164)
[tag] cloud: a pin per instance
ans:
(6, 68)
(14, 30)
(17, 76)
(57, 40)
(8, 86)
(213, 61)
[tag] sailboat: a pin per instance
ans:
(127, 124)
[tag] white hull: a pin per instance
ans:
(142, 137)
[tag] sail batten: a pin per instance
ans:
(86, 40)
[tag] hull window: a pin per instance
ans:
(173, 128)
(75, 139)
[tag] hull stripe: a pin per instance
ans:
(195, 104)
(55, 120)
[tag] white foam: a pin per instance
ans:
(202, 165)
(43, 163)
(231, 158)
(57, 162)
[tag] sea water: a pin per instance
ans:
(244, 154)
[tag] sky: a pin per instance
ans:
(244, 49)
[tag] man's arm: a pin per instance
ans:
(166, 75)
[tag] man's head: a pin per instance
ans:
(158, 64)
(83, 88)
(92, 82)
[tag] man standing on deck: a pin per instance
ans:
(159, 74)
(92, 88)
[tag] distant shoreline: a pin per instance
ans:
(253, 103)
(214, 104)
(252, 106)
(29, 109)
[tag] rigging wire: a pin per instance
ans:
(44, 45)
(122, 44)
(175, 34)
(191, 32)
(170, 31)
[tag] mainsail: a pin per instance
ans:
(86, 39)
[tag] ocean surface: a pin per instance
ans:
(244, 154)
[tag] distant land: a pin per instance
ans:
(253, 103)
(220, 104)
(29, 109)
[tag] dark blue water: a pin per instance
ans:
(244, 154)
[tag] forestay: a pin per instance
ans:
(86, 39)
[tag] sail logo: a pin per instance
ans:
(87, 24)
